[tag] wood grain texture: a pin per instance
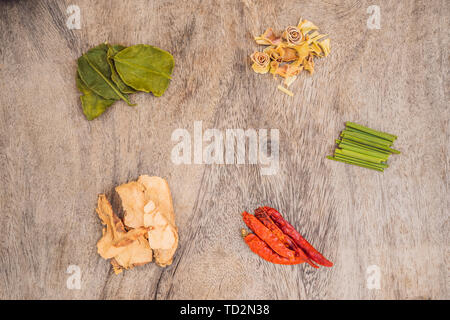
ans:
(53, 162)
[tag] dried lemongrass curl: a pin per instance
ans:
(291, 53)
(293, 35)
(286, 91)
(306, 26)
(325, 46)
(273, 53)
(268, 38)
(261, 62)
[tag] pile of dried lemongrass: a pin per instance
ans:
(290, 53)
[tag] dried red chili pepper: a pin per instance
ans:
(261, 248)
(267, 236)
(285, 239)
(289, 230)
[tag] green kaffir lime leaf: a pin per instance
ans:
(145, 68)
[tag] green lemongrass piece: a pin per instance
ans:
(367, 137)
(380, 155)
(369, 143)
(365, 133)
(356, 164)
(348, 161)
(358, 155)
(368, 147)
(380, 165)
(368, 151)
(380, 134)
(364, 146)
(367, 163)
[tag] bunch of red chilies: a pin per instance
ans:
(276, 241)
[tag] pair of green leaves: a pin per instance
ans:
(107, 73)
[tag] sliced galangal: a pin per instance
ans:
(147, 204)
(127, 248)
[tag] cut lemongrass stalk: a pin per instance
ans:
(283, 89)
(358, 155)
(369, 143)
(364, 146)
(356, 164)
(367, 146)
(367, 138)
(289, 80)
(362, 164)
(367, 163)
(380, 155)
(364, 133)
(375, 154)
(383, 164)
(384, 135)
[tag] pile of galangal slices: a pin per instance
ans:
(148, 228)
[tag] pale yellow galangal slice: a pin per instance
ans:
(126, 248)
(147, 203)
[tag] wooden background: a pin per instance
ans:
(53, 162)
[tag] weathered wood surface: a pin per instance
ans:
(53, 162)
